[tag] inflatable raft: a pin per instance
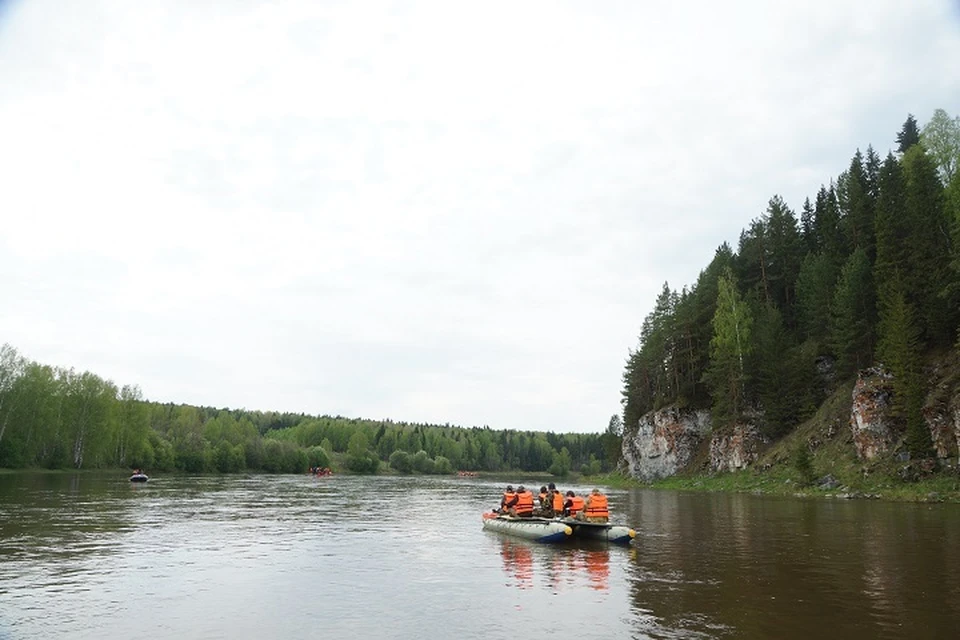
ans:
(139, 477)
(617, 533)
(536, 529)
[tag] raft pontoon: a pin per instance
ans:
(536, 529)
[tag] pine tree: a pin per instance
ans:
(785, 255)
(770, 373)
(814, 295)
(891, 225)
(909, 134)
(856, 206)
(827, 223)
(899, 350)
(926, 273)
(853, 315)
(808, 228)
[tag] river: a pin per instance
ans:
(95, 556)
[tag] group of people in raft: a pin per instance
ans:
(551, 503)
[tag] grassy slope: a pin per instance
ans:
(827, 435)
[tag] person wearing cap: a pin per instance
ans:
(508, 501)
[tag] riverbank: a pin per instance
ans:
(939, 487)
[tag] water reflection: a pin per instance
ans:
(558, 567)
(517, 564)
(788, 568)
(211, 557)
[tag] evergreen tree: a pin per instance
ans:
(899, 350)
(856, 206)
(726, 376)
(808, 231)
(769, 380)
(926, 272)
(909, 134)
(830, 238)
(785, 257)
(612, 440)
(853, 315)
(891, 225)
(872, 168)
(814, 294)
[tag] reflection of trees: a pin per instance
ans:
(65, 518)
(782, 567)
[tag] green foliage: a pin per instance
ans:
(853, 315)
(803, 463)
(612, 441)
(815, 284)
(909, 134)
(592, 468)
(400, 461)
(317, 457)
(870, 270)
(422, 462)
(941, 138)
(899, 351)
(771, 378)
(360, 459)
(729, 348)
(442, 466)
(561, 463)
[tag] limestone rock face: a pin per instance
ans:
(944, 424)
(736, 449)
(870, 421)
(665, 442)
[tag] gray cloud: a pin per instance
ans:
(425, 211)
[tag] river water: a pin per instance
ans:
(92, 556)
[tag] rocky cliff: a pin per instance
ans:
(668, 440)
(665, 442)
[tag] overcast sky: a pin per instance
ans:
(426, 211)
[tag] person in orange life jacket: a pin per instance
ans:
(508, 501)
(573, 505)
(556, 500)
(543, 497)
(523, 507)
(595, 508)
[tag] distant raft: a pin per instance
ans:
(616, 533)
(536, 529)
(139, 477)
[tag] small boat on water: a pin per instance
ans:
(557, 530)
(536, 529)
(139, 477)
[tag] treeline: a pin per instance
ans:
(57, 418)
(868, 273)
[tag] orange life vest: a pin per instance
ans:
(557, 501)
(507, 499)
(597, 507)
(543, 499)
(524, 504)
(577, 505)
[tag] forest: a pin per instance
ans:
(868, 274)
(56, 418)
